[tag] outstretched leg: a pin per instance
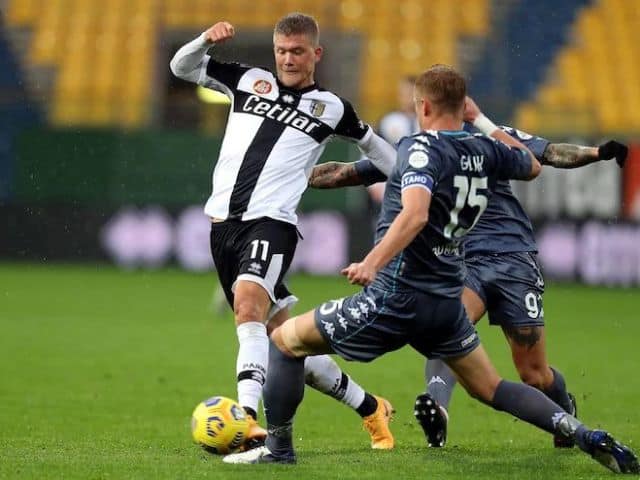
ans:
(480, 379)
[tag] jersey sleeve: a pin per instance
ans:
(222, 76)
(350, 126)
(368, 173)
(536, 144)
(420, 166)
(511, 163)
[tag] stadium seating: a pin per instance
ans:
(591, 85)
(104, 50)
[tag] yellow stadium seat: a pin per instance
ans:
(473, 17)
(596, 74)
(23, 12)
(526, 118)
(103, 48)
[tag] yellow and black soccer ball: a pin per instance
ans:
(219, 425)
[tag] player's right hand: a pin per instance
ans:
(613, 149)
(359, 274)
(471, 110)
(220, 32)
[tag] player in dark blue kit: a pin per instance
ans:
(502, 274)
(503, 279)
(413, 280)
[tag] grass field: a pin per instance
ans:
(100, 370)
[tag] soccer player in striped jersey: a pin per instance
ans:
(278, 126)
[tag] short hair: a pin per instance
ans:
(298, 24)
(445, 88)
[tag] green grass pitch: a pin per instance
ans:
(100, 370)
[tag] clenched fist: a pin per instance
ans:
(220, 32)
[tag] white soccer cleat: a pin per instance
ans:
(250, 456)
(257, 455)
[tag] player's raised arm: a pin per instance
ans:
(188, 61)
(566, 155)
(474, 115)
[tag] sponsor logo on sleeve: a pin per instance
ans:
(416, 178)
(418, 159)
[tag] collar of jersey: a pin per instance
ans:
(453, 132)
(300, 91)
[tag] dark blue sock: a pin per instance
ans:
(532, 406)
(283, 392)
(557, 391)
(440, 381)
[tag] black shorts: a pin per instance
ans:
(511, 287)
(259, 251)
(373, 322)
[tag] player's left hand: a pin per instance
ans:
(359, 274)
(613, 149)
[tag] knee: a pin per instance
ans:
(279, 342)
(536, 375)
(484, 391)
(248, 309)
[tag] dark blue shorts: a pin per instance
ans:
(373, 322)
(511, 287)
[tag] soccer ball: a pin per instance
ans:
(219, 425)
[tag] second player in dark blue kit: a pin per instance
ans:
(413, 280)
(502, 274)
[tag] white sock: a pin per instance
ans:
(252, 363)
(323, 374)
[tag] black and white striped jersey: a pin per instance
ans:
(274, 136)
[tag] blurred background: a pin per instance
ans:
(105, 156)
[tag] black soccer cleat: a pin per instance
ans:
(433, 419)
(559, 440)
(611, 453)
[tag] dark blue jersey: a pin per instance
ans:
(461, 171)
(505, 227)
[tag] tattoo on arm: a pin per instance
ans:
(334, 175)
(566, 155)
(524, 336)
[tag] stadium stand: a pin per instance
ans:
(16, 112)
(591, 85)
(103, 51)
(515, 59)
